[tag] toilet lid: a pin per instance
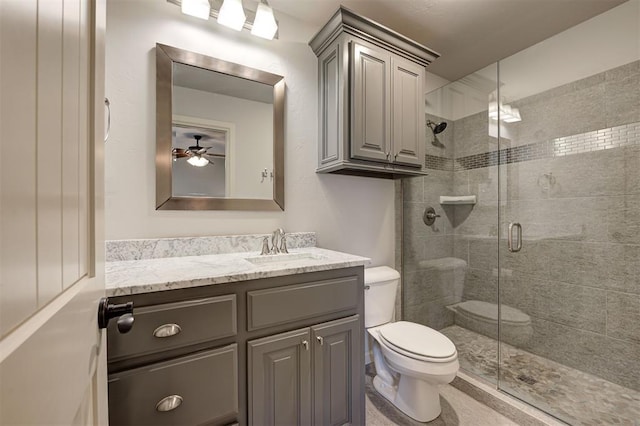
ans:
(418, 340)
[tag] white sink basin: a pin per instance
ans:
(268, 259)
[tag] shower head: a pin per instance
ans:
(437, 127)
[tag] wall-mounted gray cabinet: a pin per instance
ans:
(371, 98)
(286, 350)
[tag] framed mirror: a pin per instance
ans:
(219, 134)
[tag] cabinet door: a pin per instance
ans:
(280, 379)
(331, 105)
(370, 103)
(338, 371)
(408, 113)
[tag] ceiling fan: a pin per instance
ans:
(196, 155)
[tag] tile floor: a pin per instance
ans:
(576, 397)
(458, 409)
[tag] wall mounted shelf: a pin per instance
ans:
(457, 199)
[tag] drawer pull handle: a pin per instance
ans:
(320, 340)
(167, 330)
(169, 403)
(305, 344)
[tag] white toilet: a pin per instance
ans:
(411, 360)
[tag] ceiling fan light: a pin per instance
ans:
(264, 25)
(198, 161)
(232, 14)
(198, 8)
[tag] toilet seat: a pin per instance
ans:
(418, 342)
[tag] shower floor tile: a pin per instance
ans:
(575, 397)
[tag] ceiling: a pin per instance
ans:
(468, 34)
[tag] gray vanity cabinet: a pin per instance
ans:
(371, 98)
(285, 350)
(191, 390)
(280, 379)
(336, 383)
(283, 369)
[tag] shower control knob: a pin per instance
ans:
(429, 216)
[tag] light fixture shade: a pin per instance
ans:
(198, 8)
(265, 25)
(514, 116)
(198, 161)
(232, 15)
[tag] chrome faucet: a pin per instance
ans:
(278, 243)
(277, 235)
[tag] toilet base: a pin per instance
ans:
(416, 398)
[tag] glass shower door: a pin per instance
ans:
(569, 240)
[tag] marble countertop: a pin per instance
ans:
(149, 275)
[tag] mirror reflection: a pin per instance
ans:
(219, 134)
(222, 135)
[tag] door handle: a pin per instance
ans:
(518, 247)
(107, 103)
(108, 311)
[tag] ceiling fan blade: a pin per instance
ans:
(216, 155)
(180, 153)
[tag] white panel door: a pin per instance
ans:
(52, 355)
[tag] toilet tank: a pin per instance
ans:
(381, 285)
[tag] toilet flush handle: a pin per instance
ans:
(367, 287)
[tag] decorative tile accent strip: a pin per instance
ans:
(434, 162)
(613, 137)
(118, 250)
(597, 140)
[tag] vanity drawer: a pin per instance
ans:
(266, 308)
(168, 326)
(196, 389)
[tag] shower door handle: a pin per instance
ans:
(518, 246)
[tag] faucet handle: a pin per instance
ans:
(283, 244)
(274, 242)
(265, 246)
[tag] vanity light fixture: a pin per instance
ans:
(198, 161)
(264, 25)
(232, 14)
(501, 110)
(198, 8)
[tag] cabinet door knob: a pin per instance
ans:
(320, 340)
(169, 403)
(167, 330)
(305, 344)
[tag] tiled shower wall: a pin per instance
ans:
(572, 178)
(424, 297)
